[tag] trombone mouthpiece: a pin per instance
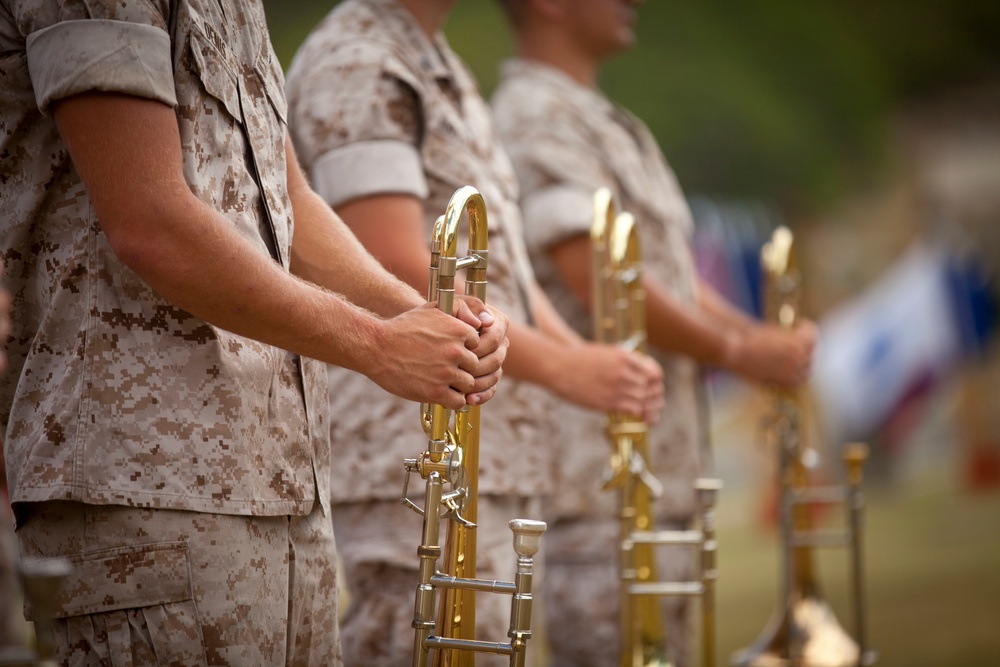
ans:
(527, 536)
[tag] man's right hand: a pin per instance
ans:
(776, 355)
(428, 356)
(491, 347)
(610, 379)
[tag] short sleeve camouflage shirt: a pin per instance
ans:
(566, 141)
(115, 396)
(378, 107)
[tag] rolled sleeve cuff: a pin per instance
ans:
(369, 168)
(554, 214)
(113, 56)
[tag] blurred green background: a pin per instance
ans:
(863, 124)
(789, 102)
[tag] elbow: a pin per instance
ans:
(143, 236)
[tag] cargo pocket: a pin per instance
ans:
(132, 605)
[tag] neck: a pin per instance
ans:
(556, 51)
(431, 15)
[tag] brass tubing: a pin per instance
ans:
(619, 318)
(485, 585)
(428, 552)
(527, 540)
(708, 491)
(804, 631)
(671, 588)
(819, 495)
(445, 628)
(677, 537)
(41, 583)
(447, 644)
(855, 455)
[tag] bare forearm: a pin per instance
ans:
(188, 253)
(535, 357)
(325, 252)
(194, 260)
(598, 377)
(684, 329)
(549, 321)
(722, 311)
(672, 327)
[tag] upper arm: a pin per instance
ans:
(356, 125)
(572, 258)
(356, 121)
(104, 73)
(127, 151)
(391, 228)
(559, 168)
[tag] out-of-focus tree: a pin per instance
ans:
(788, 102)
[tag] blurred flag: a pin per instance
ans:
(887, 345)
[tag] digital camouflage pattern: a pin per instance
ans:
(138, 438)
(377, 107)
(211, 589)
(566, 141)
(114, 396)
(376, 625)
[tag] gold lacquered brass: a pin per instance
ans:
(445, 633)
(619, 317)
(804, 632)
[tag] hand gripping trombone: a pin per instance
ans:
(447, 634)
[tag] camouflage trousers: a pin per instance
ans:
(378, 548)
(159, 587)
(580, 594)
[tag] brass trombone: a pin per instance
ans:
(804, 632)
(619, 317)
(446, 634)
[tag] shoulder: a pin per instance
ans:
(529, 108)
(538, 125)
(341, 72)
(339, 56)
(524, 97)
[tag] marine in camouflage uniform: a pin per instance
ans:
(182, 469)
(390, 124)
(116, 399)
(376, 106)
(566, 141)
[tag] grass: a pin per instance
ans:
(932, 568)
(932, 561)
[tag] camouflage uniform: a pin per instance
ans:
(123, 409)
(377, 107)
(565, 141)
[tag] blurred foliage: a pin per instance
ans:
(786, 102)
